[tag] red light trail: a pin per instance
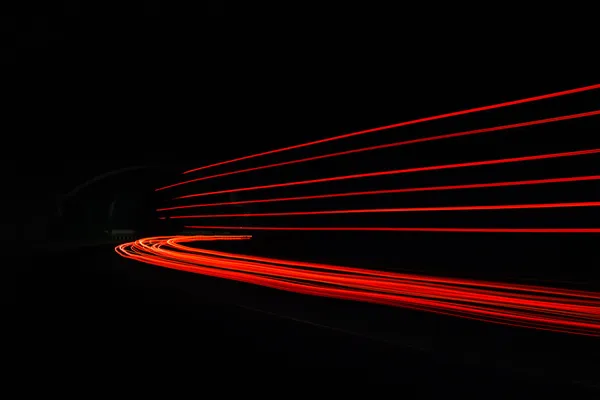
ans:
(400, 171)
(538, 307)
(406, 123)
(400, 210)
(393, 191)
(399, 229)
(545, 308)
(390, 145)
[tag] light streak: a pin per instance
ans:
(400, 171)
(406, 123)
(399, 229)
(394, 191)
(390, 145)
(399, 210)
(538, 307)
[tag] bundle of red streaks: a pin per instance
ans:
(481, 185)
(553, 309)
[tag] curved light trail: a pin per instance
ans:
(553, 309)
(390, 145)
(406, 123)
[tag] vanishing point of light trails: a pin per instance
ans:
(538, 307)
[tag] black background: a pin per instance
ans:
(109, 86)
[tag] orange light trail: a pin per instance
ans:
(538, 307)
(392, 191)
(399, 229)
(400, 210)
(400, 171)
(390, 145)
(407, 123)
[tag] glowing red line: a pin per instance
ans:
(397, 125)
(560, 310)
(399, 171)
(378, 229)
(176, 244)
(390, 145)
(407, 190)
(399, 210)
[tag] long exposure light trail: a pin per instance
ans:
(394, 191)
(399, 210)
(553, 309)
(389, 145)
(406, 123)
(400, 171)
(398, 229)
